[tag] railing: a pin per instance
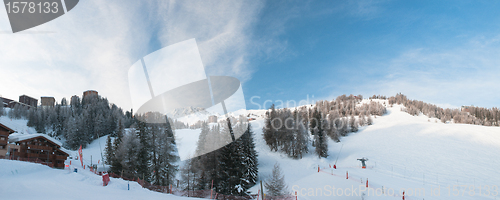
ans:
(61, 157)
(37, 147)
(35, 155)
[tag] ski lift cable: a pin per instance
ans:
(339, 154)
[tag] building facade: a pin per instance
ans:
(212, 119)
(5, 102)
(89, 92)
(25, 99)
(37, 148)
(4, 139)
(48, 101)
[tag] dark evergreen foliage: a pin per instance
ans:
(232, 168)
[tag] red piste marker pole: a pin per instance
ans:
(212, 189)
(346, 175)
(366, 182)
(318, 168)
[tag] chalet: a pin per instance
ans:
(13, 104)
(4, 137)
(48, 101)
(38, 148)
(89, 93)
(465, 108)
(212, 119)
(5, 102)
(25, 99)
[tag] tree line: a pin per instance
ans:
(147, 151)
(77, 123)
(465, 115)
(230, 170)
(292, 131)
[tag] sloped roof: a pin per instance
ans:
(17, 137)
(63, 151)
(7, 128)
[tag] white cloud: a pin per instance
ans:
(463, 75)
(93, 45)
(222, 30)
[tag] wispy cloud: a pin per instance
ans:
(93, 45)
(222, 30)
(463, 75)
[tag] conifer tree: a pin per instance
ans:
(109, 153)
(275, 185)
(143, 157)
(116, 162)
(269, 129)
(353, 124)
(231, 164)
(319, 135)
(369, 121)
(250, 160)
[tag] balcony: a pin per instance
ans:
(35, 155)
(61, 157)
(36, 147)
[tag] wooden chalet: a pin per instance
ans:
(38, 148)
(4, 138)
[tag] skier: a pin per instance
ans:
(363, 160)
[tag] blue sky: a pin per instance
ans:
(333, 48)
(441, 52)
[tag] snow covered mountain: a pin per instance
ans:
(177, 113)
(418, 155)
(23, 180)
(421, 156)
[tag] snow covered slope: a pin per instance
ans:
(18, 125)
(414, 154)
(23, 180)
(424, 157)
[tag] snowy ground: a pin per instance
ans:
(405, 153)
(18, 125)
(23, 180)
(427, 159)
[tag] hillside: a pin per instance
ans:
(414, 153)
(404, 152)
(23, 180)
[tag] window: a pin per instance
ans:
(2, 138)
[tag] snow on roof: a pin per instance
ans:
(6, 127)
(16, 137)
